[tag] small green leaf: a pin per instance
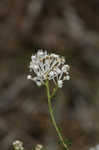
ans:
(60, 129)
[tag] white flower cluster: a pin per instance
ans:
(48, 67)
(95, 148)
(38, 147)
(18, 145)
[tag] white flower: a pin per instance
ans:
(67, 77)
(18, 145)
(48, 67)
(97, 147)
(92, 148)
(60, 83)
(29, 77)
(38, 147)
(65, 68)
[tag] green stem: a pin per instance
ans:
(52, 116)
(54, 91)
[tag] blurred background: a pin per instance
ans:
(69, 28)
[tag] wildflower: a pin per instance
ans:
(95, 148)
(92, 148)
(18, 145)
(38, 147)
(60, 83)
(48, 67)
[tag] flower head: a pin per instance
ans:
(48, 67)
(18, 145)
(94, 148)
(38, 147)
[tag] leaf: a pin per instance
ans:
(60, 129)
